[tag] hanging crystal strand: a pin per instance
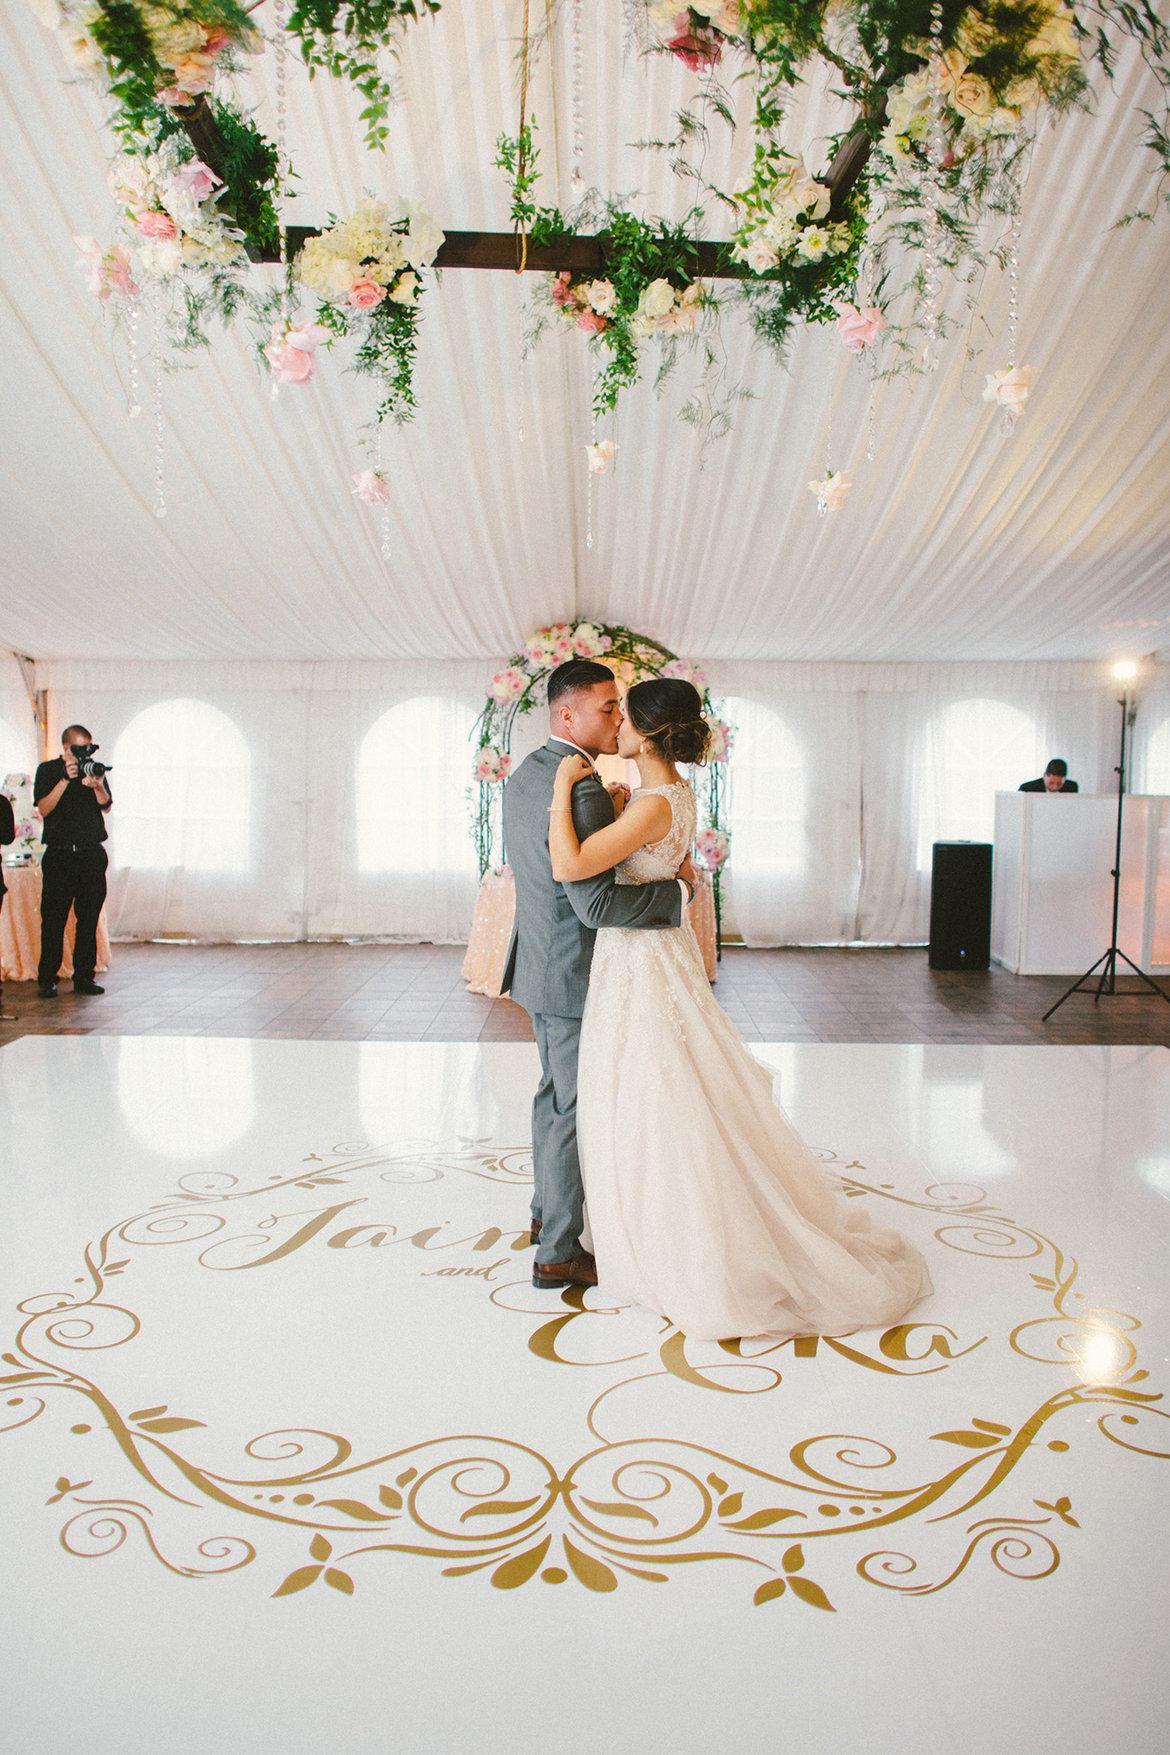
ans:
(385, 514)
(931, 183)
(823, 497)
(865, 299)
(577, 179)
(592, 441)
(160, 504)
(134, 388)
(1009, 413)
(279, 11)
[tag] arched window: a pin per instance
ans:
(413, 774)
(186, 1097)
(767, 803)
(971, 751)
(181, 781)
(1155, 767)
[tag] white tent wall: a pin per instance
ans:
(842, 776)
(19, 734)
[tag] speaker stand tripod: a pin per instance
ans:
(1107, 961)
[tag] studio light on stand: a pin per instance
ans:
(1124, 671)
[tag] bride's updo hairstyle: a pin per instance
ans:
(669, 714)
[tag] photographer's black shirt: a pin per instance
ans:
(77, 819)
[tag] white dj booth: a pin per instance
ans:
(1052, 884)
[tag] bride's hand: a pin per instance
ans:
(572, 769)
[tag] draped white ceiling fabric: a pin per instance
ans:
(956, 543)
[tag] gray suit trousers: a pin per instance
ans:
(557, 1199)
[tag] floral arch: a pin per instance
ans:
(520, 687)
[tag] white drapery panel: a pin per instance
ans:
(954, 542)
(352, 817)
(18, 727)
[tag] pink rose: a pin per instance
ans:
(371, 487)
(699, 47)
(858, 326)
(196, 179)
(156, 225)
(290, 352)
(105, 271)
(591, 321)
(365, 294)
(194, 72)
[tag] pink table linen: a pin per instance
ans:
(20, 928)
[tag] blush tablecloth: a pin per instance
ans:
(20, 928)
(491, 931)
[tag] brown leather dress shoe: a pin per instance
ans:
(554, 1276)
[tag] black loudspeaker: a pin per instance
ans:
(960, 905)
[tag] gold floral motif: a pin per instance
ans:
(640, 1508)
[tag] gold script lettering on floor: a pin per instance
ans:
(279, 1402)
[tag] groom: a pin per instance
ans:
(547, 970)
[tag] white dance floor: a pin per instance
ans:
(294, 1458)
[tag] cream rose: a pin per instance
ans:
(966, 92)
(656, 299)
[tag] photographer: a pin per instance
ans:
(72, 796)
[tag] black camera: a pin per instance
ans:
(87, 768)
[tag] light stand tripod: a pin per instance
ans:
(1107, 982)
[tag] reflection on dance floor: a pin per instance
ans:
(270, 1331)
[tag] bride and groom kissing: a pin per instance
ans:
(705, 1206)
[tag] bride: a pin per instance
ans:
(705, 1204)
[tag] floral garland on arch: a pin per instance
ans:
(521, 686)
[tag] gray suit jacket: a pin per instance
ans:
(552, 941)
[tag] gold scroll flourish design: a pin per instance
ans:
(102, 1529)
(642, 1508)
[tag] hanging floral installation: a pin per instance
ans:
(365, 274)
(945, 100)
(521, 686)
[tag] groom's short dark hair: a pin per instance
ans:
(578, 673)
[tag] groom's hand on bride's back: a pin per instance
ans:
(619, 792)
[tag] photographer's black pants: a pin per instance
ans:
(71, 878)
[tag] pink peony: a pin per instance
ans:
(159, 226)
(858, 326)
(371, 487)
(591, 321)
(365, 294)
(196, 179)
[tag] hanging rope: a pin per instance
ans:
(521, 227)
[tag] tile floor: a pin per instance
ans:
(416, 993)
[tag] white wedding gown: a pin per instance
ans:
(704, 1203)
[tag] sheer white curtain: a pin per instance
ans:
(293, 800)
(794, 817)
(389, 850)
